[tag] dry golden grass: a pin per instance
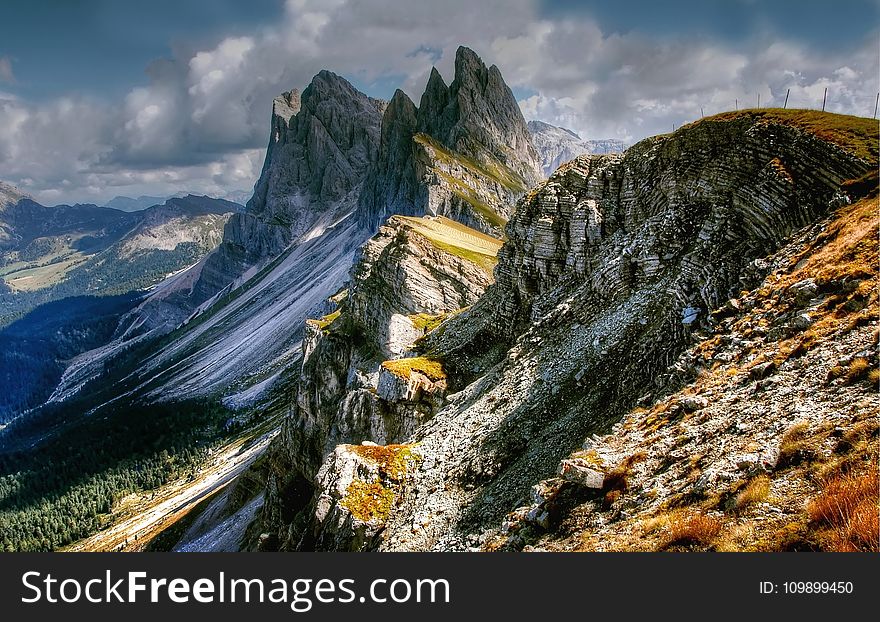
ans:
(391, 459)
(858, 370)
(848, 507)
(857, 135)
(368, 501)
(402, 368)
(692, 529)
(756, 491)
(324, 322)
(795, 446)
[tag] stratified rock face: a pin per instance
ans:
(558, 145)
(610, 269)
(465, 153)
(408, 275)
(402, 272)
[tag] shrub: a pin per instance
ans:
(699, 529)
(858, 370)
(755, 491)
(794, 448)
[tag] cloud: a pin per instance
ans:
(6, 74)
(200, 121)
(631, 86)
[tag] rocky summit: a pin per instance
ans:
(635, 365)
(465, 152)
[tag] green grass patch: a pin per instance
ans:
(402, 368)
(493, 169)
(483, 261)
(324, 322)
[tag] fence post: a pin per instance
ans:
(875, 105)
(759, 100)
(785, 105)
(701, 112)
(824, 97)
(736, 104)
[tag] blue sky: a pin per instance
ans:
(101, 97)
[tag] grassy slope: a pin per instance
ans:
(494, 171)
(457, 239)
(856, 135)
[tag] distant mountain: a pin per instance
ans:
(557, 145)
(235, 201)
(128, 204)
(48, 253)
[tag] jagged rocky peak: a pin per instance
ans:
(466, 155)
(321, 144)
(392, 186)
(558, 145)
(611, 269)
(478, 116)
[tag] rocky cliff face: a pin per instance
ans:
(465, 152)
(319, 148)
(558, 145)
(240, 312)
(409, 276)
(320, 145)
(611, 269)
(756, 451)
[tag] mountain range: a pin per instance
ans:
(438, 327)
(558, 145)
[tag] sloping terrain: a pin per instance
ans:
(774, 445)
(34, 350)
(62, 251)
(411, 275)
(612, 270)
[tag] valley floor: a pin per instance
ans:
(139, 518)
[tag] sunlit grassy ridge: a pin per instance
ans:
(402, 368)
(856, 135)
(457, 239)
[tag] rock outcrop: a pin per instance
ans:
(353, 386)
(464, 153)
(319, 148)
(611, 269)
(558, 145)
(780, 419)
